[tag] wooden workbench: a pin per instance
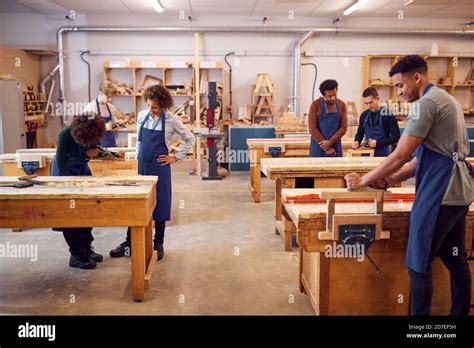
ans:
(98, 167)
(289, 147)
(345, 286)
(327, 172)
(71, 201)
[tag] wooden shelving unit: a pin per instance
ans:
(454, 73)
(178, 77)
(33, 105)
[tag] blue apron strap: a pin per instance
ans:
(163, 116)
(98, 106)
(108, 109)
(428, 87)
(141, 127)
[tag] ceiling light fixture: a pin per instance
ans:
(354, 7)
(157, 6)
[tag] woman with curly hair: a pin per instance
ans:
(157, 127)
(76, 146)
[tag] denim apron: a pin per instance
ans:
(376, 132)
(109, 138)
(328, 125)
(152, 145)
(433, 173)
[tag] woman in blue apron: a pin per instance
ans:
(75, 148)
(329, 122)
(109, 139)
(155, 127)
(103, 99)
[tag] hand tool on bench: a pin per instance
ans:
(30, 179)
(106, 154)
(131, 183)
(18, 185)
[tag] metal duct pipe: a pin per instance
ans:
(281, 30)
(47, 78)
(295, 98)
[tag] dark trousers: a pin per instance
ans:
(78, 239)
(159, 233)
(449, 240)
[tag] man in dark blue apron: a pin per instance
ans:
(102, 106)
(156, 129)
(75, 148)
(379, 127)
(327, 122)
(436, 133)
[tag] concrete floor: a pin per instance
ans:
(200, 274)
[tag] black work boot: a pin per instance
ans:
(81, 261)
(160, 250)
(92, 254)
(122, 250)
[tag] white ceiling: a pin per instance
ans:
(463, 9)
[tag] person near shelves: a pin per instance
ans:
(156, 128)
(327, 122)
(103, 107)
(77, 144)
(435, 145)
(379, 127)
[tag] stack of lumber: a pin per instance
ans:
(119, 88)
(290, 123)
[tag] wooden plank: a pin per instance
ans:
(360, 152)
(74, 187)
(329, 182)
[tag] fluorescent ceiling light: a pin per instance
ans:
(408, 2)
(354, 7)
(157, 6)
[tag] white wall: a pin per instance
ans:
(263, 52)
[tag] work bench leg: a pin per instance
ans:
(301, 286)
(148, 242)
(278, 199)
(288, 234)
(281, 184)
(138, 263)
(255, 181)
